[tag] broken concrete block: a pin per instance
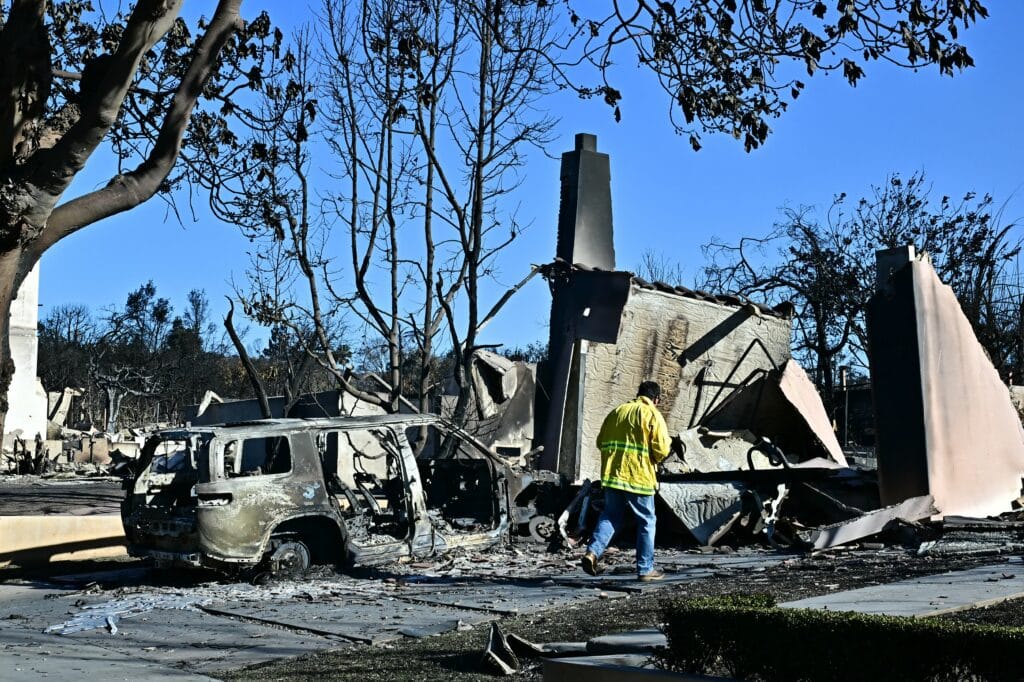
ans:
(498, 655)
(945, 423)
(800, 393)
(707, 510)
(93, 451)
(784, 406)
(706, 451)
(612, 667)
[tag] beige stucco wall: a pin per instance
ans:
(973, 436)
(656, 331)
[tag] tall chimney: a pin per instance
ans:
(585, 212)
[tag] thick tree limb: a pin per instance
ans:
(148, 23)
(496, 308)
(250, 369)
(129, 190)
(24, 74)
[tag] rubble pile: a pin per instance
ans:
(74, 453)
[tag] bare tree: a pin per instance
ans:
(827, 269)
(657, 267)
(426, 118)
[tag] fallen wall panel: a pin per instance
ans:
(868, 524)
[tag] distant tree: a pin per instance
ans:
(535, 351)
(66, 335)
(193, 358)
(657, 267)
(827, 269)
(127, 361)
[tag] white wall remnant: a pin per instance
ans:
(28, 401)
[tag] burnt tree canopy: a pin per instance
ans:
(729, 66)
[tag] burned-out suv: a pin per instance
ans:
(281, 494)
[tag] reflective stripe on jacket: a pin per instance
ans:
(632, 440)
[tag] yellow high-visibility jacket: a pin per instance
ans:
(632, 440)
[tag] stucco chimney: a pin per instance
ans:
(585, 211)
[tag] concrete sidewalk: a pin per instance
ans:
(156, 630)
(928, 595)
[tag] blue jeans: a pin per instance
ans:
(616, 502)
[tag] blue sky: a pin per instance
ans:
(964, 132)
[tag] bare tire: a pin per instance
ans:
(543, 529)
(291, 559)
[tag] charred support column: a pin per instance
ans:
(896, 379)
(945, 425)
(584, 238)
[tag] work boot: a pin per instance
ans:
(655, 574)
(589, 563)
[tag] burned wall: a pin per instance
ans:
(699, 351)
(945, 423)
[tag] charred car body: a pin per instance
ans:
(285, 493)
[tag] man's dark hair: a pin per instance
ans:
(649, 389)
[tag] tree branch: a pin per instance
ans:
(24, 75)
(129, 190)
(250, 369)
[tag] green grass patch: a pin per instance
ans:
(747, 637)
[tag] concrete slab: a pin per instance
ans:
(500, 598)
(929, 595)
(369, 621)
(613, 668)
(869, 523)
(201, 642)
(28, 656)
(679, 568)
(707, 510)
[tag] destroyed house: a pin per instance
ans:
(722, 361)
(612, 330)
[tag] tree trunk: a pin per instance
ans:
(114, 398)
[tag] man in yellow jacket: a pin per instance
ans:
(633, 440)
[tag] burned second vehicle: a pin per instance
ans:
(281, 494)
